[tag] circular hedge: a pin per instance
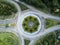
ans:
(30, 24)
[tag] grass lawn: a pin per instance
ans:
(51, 22)
(8, 38)
(7, 25)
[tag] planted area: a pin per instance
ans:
(22, 7)
(30, 24)
(47, 6)
(8, 38)
(51, 22)
(7, 10)
(52, 38)
(27, 42)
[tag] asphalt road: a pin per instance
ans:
(41, 13)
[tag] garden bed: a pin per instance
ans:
(7, 10)
(49, 39)
(30, 24)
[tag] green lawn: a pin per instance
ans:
(8, 38)
(7, 25)
(51, 22)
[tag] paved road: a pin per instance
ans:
(8, 21)
(41, 13)
(46, 31)
(52, 29)
(45, 16)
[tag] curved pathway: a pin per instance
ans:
(54, 28)
(42, 14)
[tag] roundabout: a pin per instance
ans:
(30, 26)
